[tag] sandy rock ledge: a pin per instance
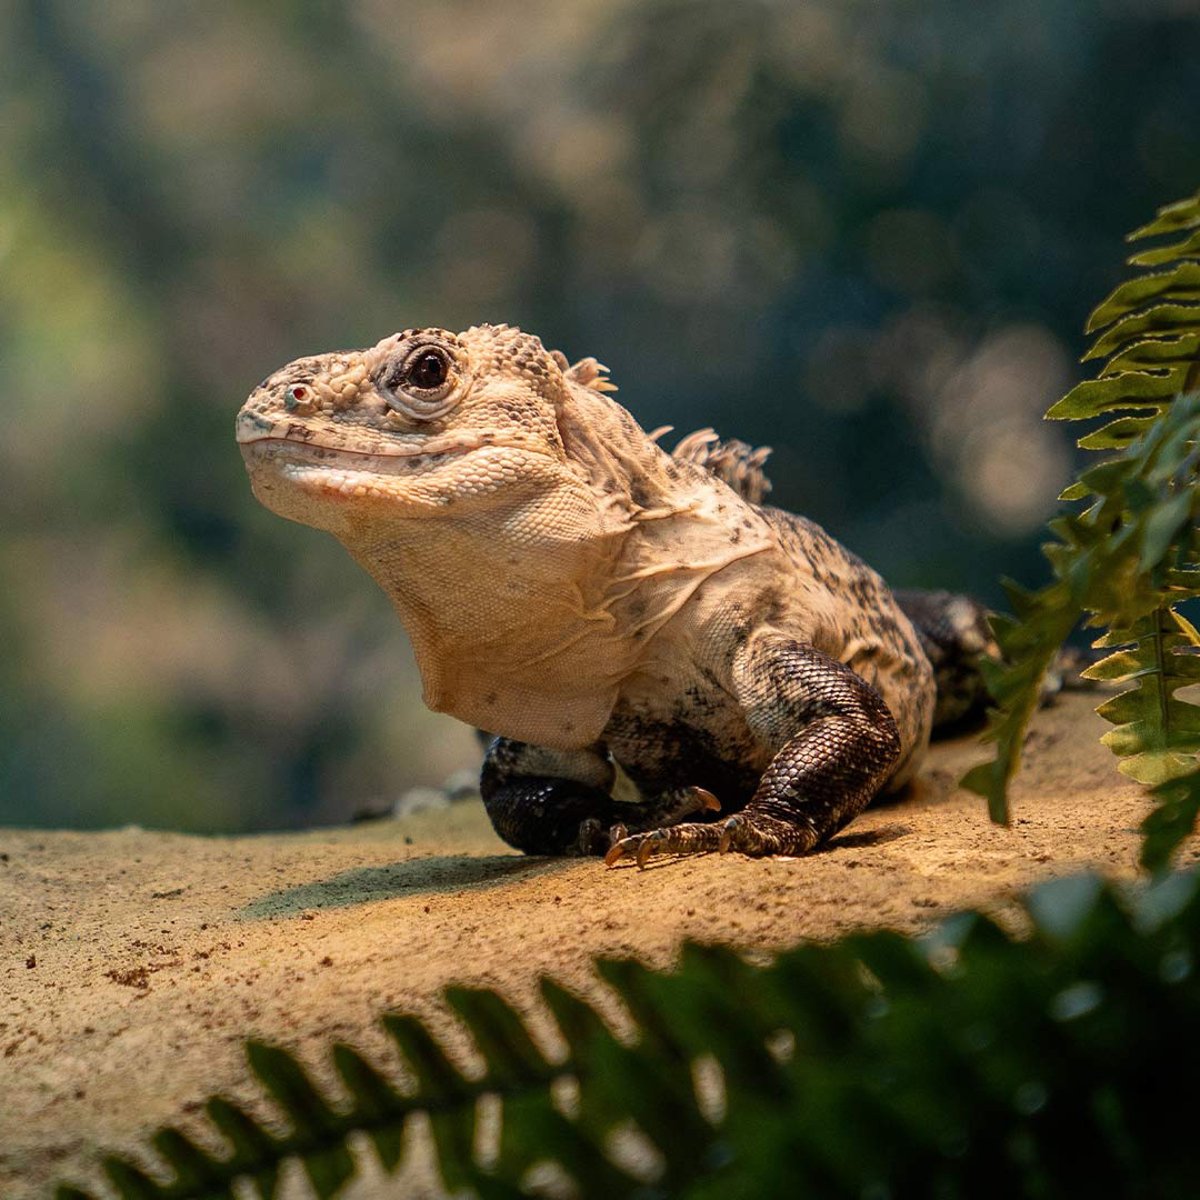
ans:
(132, 963)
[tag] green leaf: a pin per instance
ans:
(130, 1181)
(1180, 283)
(1183, 214)
(450, 1097)
(1029, 647)
(1189, 247)
(256, 1154)
(915, 1066)
(1163, 321)
(1133, 390)
(1119, 435)
(1153, 353)
(195, 1170)
(1171, 821)
(500, 1035)
(376, 1103)
(1156, 733)
(312, 1118)
(1162, 528)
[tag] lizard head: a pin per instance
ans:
(488, 487)
(426, 422)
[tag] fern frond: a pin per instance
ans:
(1175, 252)
(1157, 735)
(1108, 562)
(965, 1063)
(1129, 557)
(1182, 214)
(1181, 283)
(1173, 818)
(1028, 645)
(1151, 329)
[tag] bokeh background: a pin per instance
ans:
(864, 233)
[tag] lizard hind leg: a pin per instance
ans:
(955, 636)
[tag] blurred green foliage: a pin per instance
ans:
(865, 233)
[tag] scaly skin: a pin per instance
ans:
(597, 602)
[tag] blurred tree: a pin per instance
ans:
(864, 233)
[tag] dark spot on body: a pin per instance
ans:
(659, 755)
(770, 605)
(638, 492)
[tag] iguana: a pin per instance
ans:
(597, 603)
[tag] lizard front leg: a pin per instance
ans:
(834, 744)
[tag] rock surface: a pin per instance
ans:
(133, 963)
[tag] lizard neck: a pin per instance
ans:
(503, 615)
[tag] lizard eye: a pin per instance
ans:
(427, 370)
(424, 381)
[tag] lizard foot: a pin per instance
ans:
(747, 833)
(596, 838)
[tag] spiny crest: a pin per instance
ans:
(589, 373)
(734, 462)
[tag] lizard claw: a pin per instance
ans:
(707, 799)
(616, 852)
(674, 839)
(753, 835)
(618, 843)
(726, 842)
(647, 847)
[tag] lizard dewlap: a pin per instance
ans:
(594, 600)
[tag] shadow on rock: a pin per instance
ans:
(443, 873)
(857, 839)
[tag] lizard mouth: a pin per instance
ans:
(257, 431)
(294, 455)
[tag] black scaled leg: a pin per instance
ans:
(558, 801)
(834, 745)
(547, 801)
